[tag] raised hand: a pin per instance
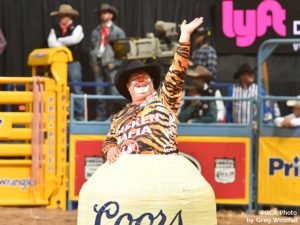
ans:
(188, 28)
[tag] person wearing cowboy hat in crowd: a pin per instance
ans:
(204, 54)
(148, 124)
(197, 111)
(205, 77)
(293, 119)
(102, 57)
(69, 33)
(238, 111)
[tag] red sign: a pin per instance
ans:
(88, 159)
(223, 164)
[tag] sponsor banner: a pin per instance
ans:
(224, 161)
(147, 189)
(225, 164)
(85, 158)
(241, 26)
(279, 171)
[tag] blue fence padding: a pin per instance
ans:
(272, 131)
(89, 128)
(90, 84)
(184, 129)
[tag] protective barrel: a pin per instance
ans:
(147, 189)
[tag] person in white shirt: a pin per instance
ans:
(291, 120)
(68, 33)
(239, 111)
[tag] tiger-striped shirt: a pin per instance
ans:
(151, 127)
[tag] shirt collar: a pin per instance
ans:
(109, 23)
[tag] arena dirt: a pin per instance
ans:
(43, 216)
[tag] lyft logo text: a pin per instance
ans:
(247, 25)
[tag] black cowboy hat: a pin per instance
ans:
(108, 8)
(122, 77)
(244, 68)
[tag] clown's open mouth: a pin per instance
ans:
(141, 89)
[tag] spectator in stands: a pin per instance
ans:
(69, 33)
(291, 120)
(205, 77)
(204, 54)
(238, 111)
(2, 42)
(197, 111)
(102, 57)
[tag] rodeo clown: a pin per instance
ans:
(148, 125)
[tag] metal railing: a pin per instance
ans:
(87, 97)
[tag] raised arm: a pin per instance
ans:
(172, 86)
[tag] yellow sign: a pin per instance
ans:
(279, 171)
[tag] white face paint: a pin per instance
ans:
(141, 90)
(140, 85)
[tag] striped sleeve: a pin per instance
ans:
(172, 87)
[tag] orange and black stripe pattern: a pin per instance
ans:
(151, 127)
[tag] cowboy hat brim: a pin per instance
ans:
(293, 103)
(72, 13)
(121, 79)
(200, 72)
